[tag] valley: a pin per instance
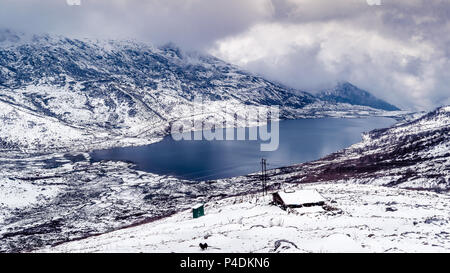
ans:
(62, 98)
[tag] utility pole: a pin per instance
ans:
(264, 175)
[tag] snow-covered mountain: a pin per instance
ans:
(58, 92)
(346, 92)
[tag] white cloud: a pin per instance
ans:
(315, 55)
(398, 50)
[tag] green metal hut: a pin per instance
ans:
(198, 210)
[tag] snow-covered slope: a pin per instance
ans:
(365, 219)
(115, 93)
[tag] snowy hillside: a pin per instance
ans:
(117, 93)
(365, 219)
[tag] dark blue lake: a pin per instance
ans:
(300, 141)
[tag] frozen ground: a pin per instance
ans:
(367, 219)
(49, 199)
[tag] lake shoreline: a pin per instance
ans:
(300, 141)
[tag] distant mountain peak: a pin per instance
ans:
(345, 92)
(77, 88)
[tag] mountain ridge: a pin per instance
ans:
(125, 92)
(345, 92)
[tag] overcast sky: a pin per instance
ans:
(398, 50)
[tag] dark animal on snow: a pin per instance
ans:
(203, 246)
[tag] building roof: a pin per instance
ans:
(301, 197)
(197, 206)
